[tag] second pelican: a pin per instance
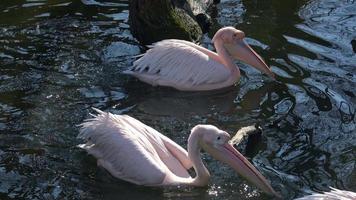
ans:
(189, 67)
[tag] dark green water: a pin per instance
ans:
(58, 58)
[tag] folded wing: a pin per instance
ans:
(128, 149)
(176, 62)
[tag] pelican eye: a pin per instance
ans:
(239, 35)
(218, 138)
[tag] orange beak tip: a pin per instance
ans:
(273, 76)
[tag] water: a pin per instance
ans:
(60, 58)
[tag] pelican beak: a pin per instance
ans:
(242, 51)
(229, 155)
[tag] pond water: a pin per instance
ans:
(59, 58)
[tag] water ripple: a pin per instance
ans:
(60, 58)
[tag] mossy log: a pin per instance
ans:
(155, 20)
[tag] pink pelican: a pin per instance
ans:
(334, 194)
(137, 153)
(187, 66)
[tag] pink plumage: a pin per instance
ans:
(137, 153)
(187, 66)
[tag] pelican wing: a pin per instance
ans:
(178, 63)
(334, 194)
(127, 148)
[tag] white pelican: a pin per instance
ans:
(334, 194)
(137, 153)
(187, 66)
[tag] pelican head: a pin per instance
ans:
(233, 41)
(216, 142)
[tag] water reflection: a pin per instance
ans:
(60, 58)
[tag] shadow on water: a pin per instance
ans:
(60, 58)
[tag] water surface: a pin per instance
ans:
(60, 58)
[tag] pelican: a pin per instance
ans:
(334, 194)
(186, 66)
(134, 152)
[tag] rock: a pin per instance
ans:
(248, 140)
(353, 44)
(154, 20)
(204, 21)
(246, 132)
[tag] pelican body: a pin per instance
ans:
(333, 194)
(190, 67)
(137, 153)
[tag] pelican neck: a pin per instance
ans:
(224, 55)
(202, 174)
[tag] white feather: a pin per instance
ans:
(334, 194)
(176, 63)
(110, 138)
(123, 145)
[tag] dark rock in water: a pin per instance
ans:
(245, 132)
(248, 139)
(353, 43)
(204, 22)
(254, 141)
(155, 20)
